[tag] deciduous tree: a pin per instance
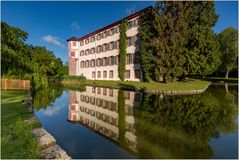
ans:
(228, 39)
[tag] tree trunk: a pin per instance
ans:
(226, 88)
(227, 73)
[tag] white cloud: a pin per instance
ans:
(53, 40)
(52, 110)
(75, 25)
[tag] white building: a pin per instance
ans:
(96, 55)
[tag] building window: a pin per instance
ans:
(129, 58)
(82, 43)
(137, 97)
(136, 58)
(104, 61)
(92, 100)
(92, 50)
(129, 25)
(111, 74)
(104, 91)
(137, 73)
(92, 39)
(82, 53)
(74, 43)
(117, 29)
(93, 75)
(105, 34)
(111, 92)
(93, 89)
(87, 41)
(136, 22)
(98, 74)
(127, 74)
(105, 74)
(117, 44)
(104, 48)
(108, 47)
(99, 62)
(98, 90)
(98, 49)
(127, 95)
(116, 60)
(99, 36)
(72, 54)
(111, 45)
(134, 40)
(92, 63)
(112, 31)
(87, 64)
(129, 41)
(82, 64)
(87, 52)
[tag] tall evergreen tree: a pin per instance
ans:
(147, 32)
(177, 39)
(202, 48)
(122, 49)
(171, 24)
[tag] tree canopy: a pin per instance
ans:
(228, 39)
(20, 60)
(177, 40)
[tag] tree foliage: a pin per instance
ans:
(228, 39)
(177, 40)
(122, 49)
(147, 52)
(202, 48)
(20, 60)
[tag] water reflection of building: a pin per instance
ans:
(97, 108)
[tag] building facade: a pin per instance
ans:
(96, 55)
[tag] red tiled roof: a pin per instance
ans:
(109, 26)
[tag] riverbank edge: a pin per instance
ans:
(50, 149)
(135, 88)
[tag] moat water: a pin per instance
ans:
(109, 123)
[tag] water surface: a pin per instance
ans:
(110, 123)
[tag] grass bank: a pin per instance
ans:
(16, 138)
(190, 84)
(222, 79)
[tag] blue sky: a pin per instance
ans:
(50, 24)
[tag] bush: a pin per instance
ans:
(67, 78)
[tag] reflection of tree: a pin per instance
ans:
(180, 126)
(228, 107)
(44, 97)
(121, 110)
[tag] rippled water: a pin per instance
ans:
(111, 123)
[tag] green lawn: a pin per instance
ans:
(188, 85)
(16, 138)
